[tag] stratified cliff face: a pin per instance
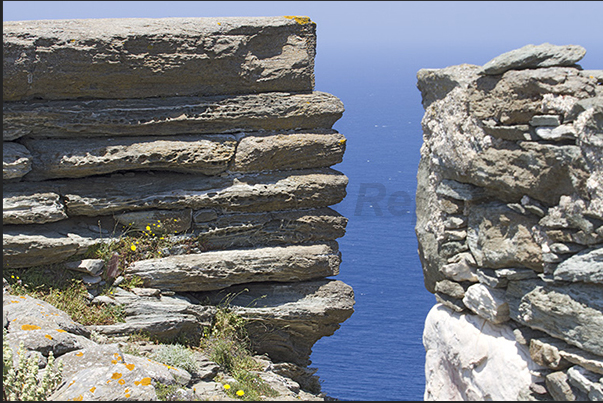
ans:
(509, 224)
(210, 126)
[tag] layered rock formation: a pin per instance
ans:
(210, 126)
(510, 227)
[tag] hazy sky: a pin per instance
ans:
(358, 25)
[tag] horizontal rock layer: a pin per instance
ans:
(171, 115)
(279, 190)
(43, 159)
(149, 57)
(216, 270)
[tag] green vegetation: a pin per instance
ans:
(227, 344)
(64, 290)
(21, 382)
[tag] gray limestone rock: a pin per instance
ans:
(573, 354)
(93, 267)
(107, 383)
(435, 84)
(16, 160)
(461, 268)
(150, 57)
(215, 270)
(283, 151)
(558, 386)
(172, 116)
(451, 288)
(512, 132)
(545, 120)
(278, 190)
(272, 228)
(74, 158)
(588, 383)
(165, 318)
(556, 133)
(25, 313)
(574, 314)
(286, 319)
(517, 96)
(31, 207)
(528, 168)
(459, 191)
(35, 246)
(586, 266)
(535, 56)
(498, 237)
(546, 354)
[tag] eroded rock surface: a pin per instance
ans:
(509, 222)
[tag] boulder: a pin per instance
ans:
(469, 358)
(135, 58)
(573, 314)
(535, 56)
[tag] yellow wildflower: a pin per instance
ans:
(240, 393)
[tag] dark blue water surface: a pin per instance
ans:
(378, 354)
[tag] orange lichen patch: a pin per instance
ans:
(300, 20)
(78, 399)
(116, 375)
(21, 296)
(92, 389)
(61, 330)
(30, 327)
(13, 302)
(49, 337)
(117, 356)
(144, 381)
(113, 361)
(72, 382)
(130, 366)
(121, 381)
(80, 354)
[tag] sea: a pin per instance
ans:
(377, 354)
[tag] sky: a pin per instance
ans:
(492, 27)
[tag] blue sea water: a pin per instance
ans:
(377, 354)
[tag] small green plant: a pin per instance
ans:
(227, 344)
(22, 382)
(177, 356)
(64, 290)
(165, 392)
(132, 282)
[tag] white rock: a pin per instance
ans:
(489, 303)
(469, 358)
